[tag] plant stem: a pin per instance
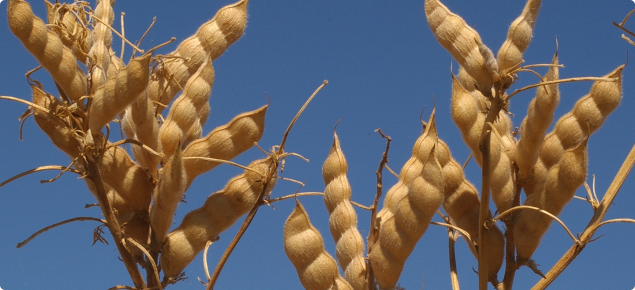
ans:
(593, 225)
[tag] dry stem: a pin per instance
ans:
(21, 244)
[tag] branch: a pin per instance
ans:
(38, 169)
(20, 245)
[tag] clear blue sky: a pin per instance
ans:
(383, 65)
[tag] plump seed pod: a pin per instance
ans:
(411, 169)
(127, 178)
(209, 41)
(587, 116)
(225, 142)
(304, 246)
(118, 92)
(534, 126)
(342, 217)
(518, 36)
(502, 179)
(55, 127)
(167, 195)
(69, 22)
(400, 232)
(47, 48)
(133, 224)
(462, 41)
(220, 211)
(184, 111)
(140, 123)
(461, 203)
(196, 131)
(551, 195)
(100, 41)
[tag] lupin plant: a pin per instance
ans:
(161, 103)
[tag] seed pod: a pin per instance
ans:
(342, 217)
(118, 92)
(461, 203)
(220, 211)
(502, 179)
(400, 232)
(551, 195)
(69, 22)
(587, 116)
(518, 36)
(534, 126)
(139, 123)
(225, 142)
(468, 119)
(183, 113)
(411, 169)
(462, 41)
(209, 41)
(196, 131)
(133, 224)
(47, 48)
(100, 41)
(305, 249)
(167, 195)
(56, 128)
(127, 178)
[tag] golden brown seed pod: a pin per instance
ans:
(534, 126)
(518, 36)
(305, 249)
(127, 178)
(502, 179)
(196, 131)
(183, 113)
(69, 22)
(468, 119)
(118, 92)
(462, 41)
(100, 41)
(587, 116)
(167, 195)
(139, 123)
(220, 211)
(133, 224)
(342, 217)
(47, 48)
(551, 195)
(461, 203)
(209, 41)
(57, 128)
(412, 168)
(225, 142)
(400, 232)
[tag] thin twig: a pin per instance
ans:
(154, 264)
(295, 195)
(558, 82)
(542, 211)
(85, 218)
(592, 227)
(391, 171)
(207, 244)
(374, 222)
(38, 169)
(136, 142)
(45, 110)
(118, 34)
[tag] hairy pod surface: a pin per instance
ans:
(518, 36)
(183, 113)
(461, 203)
(209, 42)
(586, 117)
(400, 231)
(57, 129)
(539, 117)
(225, 142)
(552, 195)
(502, 177)
(100, 42)
(462, 41)
(126, 178)
(118, 92)
(47, 48)
(304, 246)
(140, 123)
(167, 195)
(196, 131)
(412, 168)
(342, 217)
(220, 211)
(133, 224)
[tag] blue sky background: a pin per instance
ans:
(383, 65)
